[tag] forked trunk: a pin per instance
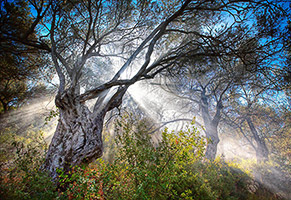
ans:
(78, 137)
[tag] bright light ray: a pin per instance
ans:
(33, 115)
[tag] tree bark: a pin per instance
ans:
(262, 152)
(78, 136)
(212, 134)
(210, 127)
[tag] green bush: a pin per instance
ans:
(172, 169)
(21, 177)
(226, 182)
(141, 168)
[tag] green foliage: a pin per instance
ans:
(174, 168)
(154, 168)
(225, 182)
(21, 177)
(53, 114)
(6, 148)
(83, 182)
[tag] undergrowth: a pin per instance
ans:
(172, 168)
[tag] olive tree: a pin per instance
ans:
(148, 36)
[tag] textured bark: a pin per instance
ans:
(262, 152)
(78, 136)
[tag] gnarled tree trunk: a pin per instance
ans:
(78, 136)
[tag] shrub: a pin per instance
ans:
(141, 169)
(172, 169)
(21, 177)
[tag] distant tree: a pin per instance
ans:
(208, 86)
(150, 36)
(254, 109)
(255, 113)
(280, 140)
(239, 54)
(205, 91)
(18, 63)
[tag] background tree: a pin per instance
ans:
(206, 92)
(19, 64)
(208, 81)
(236, 54)
(255, 113)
